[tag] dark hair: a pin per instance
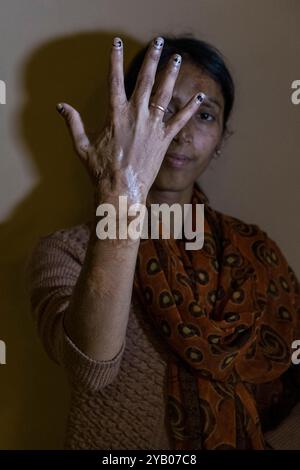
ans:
(207, 57)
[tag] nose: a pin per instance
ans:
(184, 135)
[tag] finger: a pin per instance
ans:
(164, 91)
(116, 77)
(76, 129)
(178, 121)
(146, 76)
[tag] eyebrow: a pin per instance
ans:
(209, 100)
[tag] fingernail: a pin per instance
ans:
(158, 43)
(200, 97)
(177, 60)
(117, 43)
(60, 108)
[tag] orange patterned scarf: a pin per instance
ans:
(229, 313)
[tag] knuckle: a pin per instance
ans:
(117, 99)
(144, 82)
(115, 81)
(83, 152)
(82, 143)
(117, 114)
(163, 98)
(70, 117)
(153, 54)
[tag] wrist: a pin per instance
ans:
(117, 198)
(121, 224)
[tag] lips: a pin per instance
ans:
(177, 160)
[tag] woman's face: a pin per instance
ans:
(201, 135)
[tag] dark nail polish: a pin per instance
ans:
(200, 97)
(60, 108)
(117, 43)
(177, 60)
(158, 43)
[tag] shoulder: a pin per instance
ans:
(76, 234)
(264, 249)
(62, 249)
(71, 239)
(241, 227)
(248, 230)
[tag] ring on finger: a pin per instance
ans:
(154, 105)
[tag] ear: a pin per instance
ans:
(226, 134)
(222, 141)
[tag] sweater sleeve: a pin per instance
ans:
(287, 435)
(53, 269)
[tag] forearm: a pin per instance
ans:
(97, 317)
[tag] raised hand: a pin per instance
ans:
(127, 155)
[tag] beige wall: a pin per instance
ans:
(52, 50)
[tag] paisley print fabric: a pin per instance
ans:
(229, 313)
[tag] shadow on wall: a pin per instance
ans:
(34, 392)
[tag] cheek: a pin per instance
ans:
(205, 142)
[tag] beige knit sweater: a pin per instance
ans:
(117, 404)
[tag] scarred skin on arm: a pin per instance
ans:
(98, 313)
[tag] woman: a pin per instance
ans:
(166, 348)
